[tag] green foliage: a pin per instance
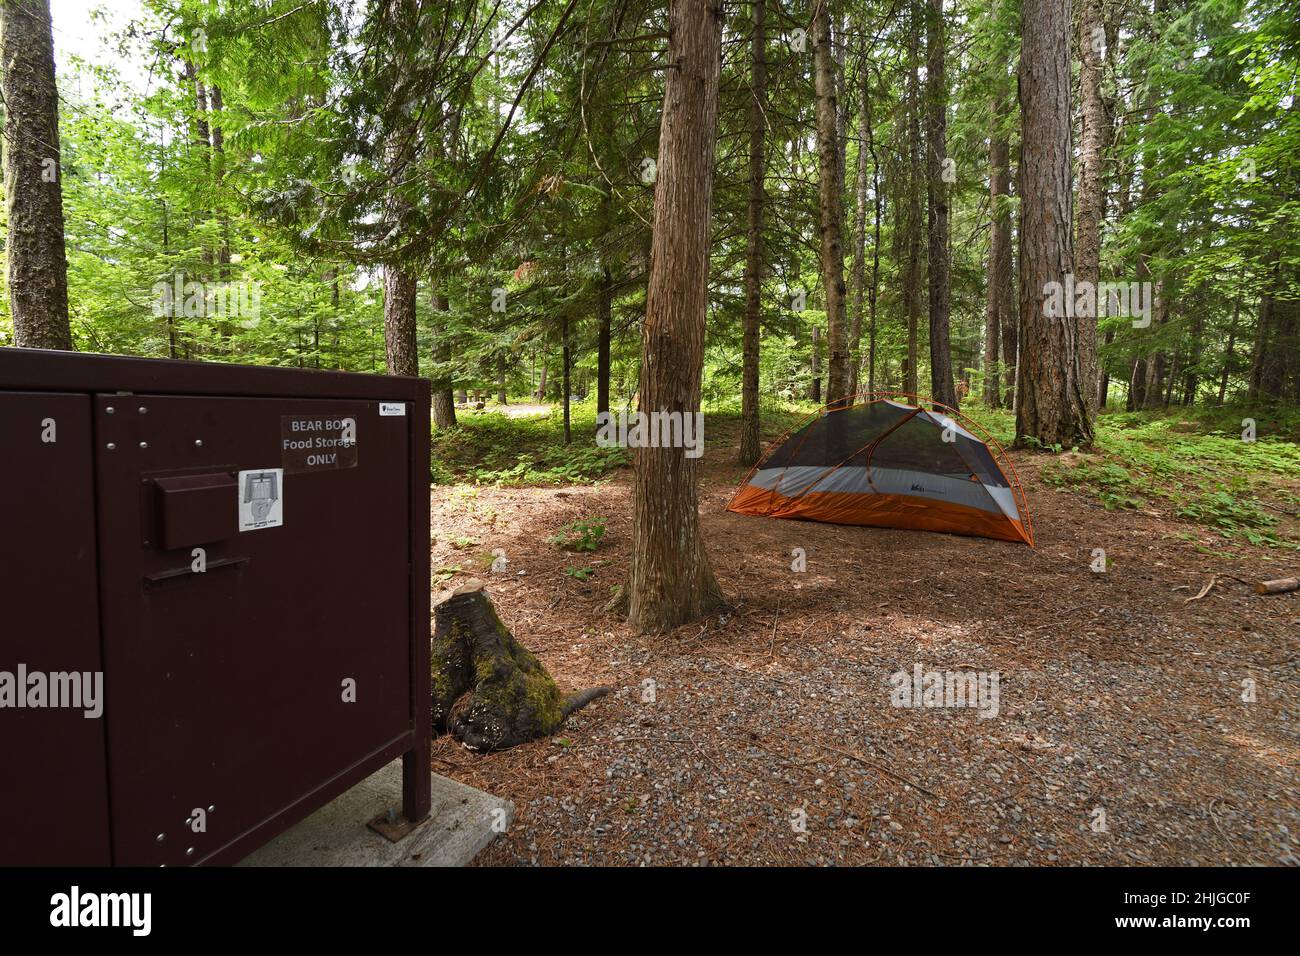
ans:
(581, 535)
(1231, 515)
(494, 449)
(1110, 482)
(1186, 464)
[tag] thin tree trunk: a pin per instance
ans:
(34, 251)
(830, 196)
(749, 412)
(875, 248)
(566, 361)
(444, 402)
(216, 106)
(1227, 352)
(1103, 375)
(1275, 340)
(1149, 369)
(859, 239)
(604, 320)
(815, 387)
(912, 268)
(1052, 408)
(1153, 391)
(170, 306)
(1137, 385)
(671, 581)
(941, 383)
(999, 261)
(1191, 373)
(1010, 313)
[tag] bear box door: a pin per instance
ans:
(250, 549)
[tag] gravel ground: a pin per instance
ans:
(765, 734)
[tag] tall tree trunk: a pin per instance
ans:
(996, 313)
(1148, 372)
(815, 387)
(604, 322)
(399, 321)
(859, 236)
(1095, 140)
(1103, 375)
(566, 362)
(1171, 376)
(1153, 390)
(1010, 313)
(400, 346)
(912, 267)
(1275, 363)
(33, 178)
(501, 379)
(444, 402)
(830, 200)
(170, 307)
(540, 394)
(1227, 352)
(749, 414)
(1052, 408)
(875, 248)
(936, 122)
(1191, 374)
(671, 581)
(1125, 169)
(1137, 385)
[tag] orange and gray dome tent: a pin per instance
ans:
(889, 460)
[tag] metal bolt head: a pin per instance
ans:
(109, 410)
(198, 443)
(161, 837)
(110, 446)
(144, 444)
(212, 809)
(189, 851)
(142, 410)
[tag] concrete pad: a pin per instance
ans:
(460, 824)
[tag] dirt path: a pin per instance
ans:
(1120, 703)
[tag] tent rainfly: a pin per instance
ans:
(881, 461)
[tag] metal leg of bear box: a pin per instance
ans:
(416, 763)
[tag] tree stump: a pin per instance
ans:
(488, 690)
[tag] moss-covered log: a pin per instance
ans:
(489, 691)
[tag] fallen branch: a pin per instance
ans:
(1277, 586)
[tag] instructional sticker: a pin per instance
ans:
(261, 499)
(389, 409)
(317, 442)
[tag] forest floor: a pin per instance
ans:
(765, 734)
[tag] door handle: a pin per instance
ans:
(174, 574)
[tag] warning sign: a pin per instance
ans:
(261, 499)
(317, 442)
